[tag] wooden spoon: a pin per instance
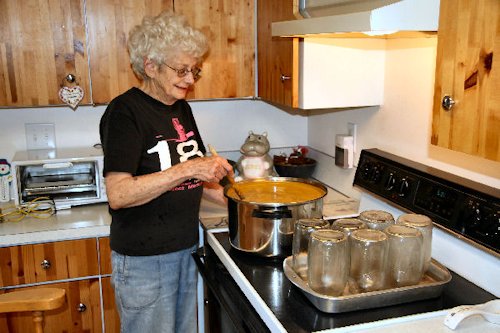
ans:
(229, 177)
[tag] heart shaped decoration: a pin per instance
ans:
(71, 96)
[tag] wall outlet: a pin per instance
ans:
(40, 136)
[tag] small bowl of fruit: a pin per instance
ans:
(296, 165)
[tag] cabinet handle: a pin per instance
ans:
(284, 77)
(45, 264)
(81, 307)
(447, 102)
(70, 78)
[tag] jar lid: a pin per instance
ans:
(415, 220)
(376, 216)
(402, 231)
(369, 235)
(348, 224)
(329, 235)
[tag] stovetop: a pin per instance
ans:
(297, 314)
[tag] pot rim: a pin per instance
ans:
(278, 179)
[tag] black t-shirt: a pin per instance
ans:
(140, 135)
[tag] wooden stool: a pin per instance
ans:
(37, 300)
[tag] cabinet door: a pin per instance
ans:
(104, 256)
(111, 317)
(41, 43)
(278, 64)
(228, 71)
(81, 313)
(108, 25)
(466, 70)
(26, 264)
(65, 260)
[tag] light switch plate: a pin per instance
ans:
(40, 136)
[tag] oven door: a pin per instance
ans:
(226, 307)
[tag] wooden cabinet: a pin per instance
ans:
(43, 42)
(108, 25)
(34, 263)
(104, 256)
(81, 313)
(111, 317)
(229, 69)
(278, 63)
(468, 70)
(314, 72)
(82, 267)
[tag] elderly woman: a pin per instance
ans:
(156, 173)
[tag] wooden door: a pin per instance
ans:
(41, 42)
(81, 313)
(229, 69)
(468, 70)
(108, 25)
(278, 63)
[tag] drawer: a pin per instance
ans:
(43, 262)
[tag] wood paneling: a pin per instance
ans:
(108, 24)
(468, 69)
(40, 43)
(277, 56)
(228, 71)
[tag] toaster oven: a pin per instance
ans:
(69, 177)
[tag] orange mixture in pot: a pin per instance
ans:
(285, 192)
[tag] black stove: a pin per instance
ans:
(294, 310)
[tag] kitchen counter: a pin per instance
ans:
(78, 222)
(93, 221)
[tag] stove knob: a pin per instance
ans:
(404, 187)
(391, 181)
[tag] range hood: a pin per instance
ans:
(369, 17)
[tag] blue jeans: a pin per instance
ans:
(156, 293)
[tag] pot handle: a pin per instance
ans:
(272, 213)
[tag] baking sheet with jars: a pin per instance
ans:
(371, 256)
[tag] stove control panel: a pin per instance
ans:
(458, 205)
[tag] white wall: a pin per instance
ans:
(224, 124)
(402, 125)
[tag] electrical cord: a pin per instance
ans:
(40, 208)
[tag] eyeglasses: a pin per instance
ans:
(182, 72)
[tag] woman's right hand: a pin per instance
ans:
(209, 169)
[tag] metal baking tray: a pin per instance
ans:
(431, 285)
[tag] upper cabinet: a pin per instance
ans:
(277, 57)
(44, 42)
(466, 114)
(41, 43)
(108, 25)
(316, 73)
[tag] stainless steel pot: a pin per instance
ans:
(266, 228)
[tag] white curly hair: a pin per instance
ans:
(160, 37)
